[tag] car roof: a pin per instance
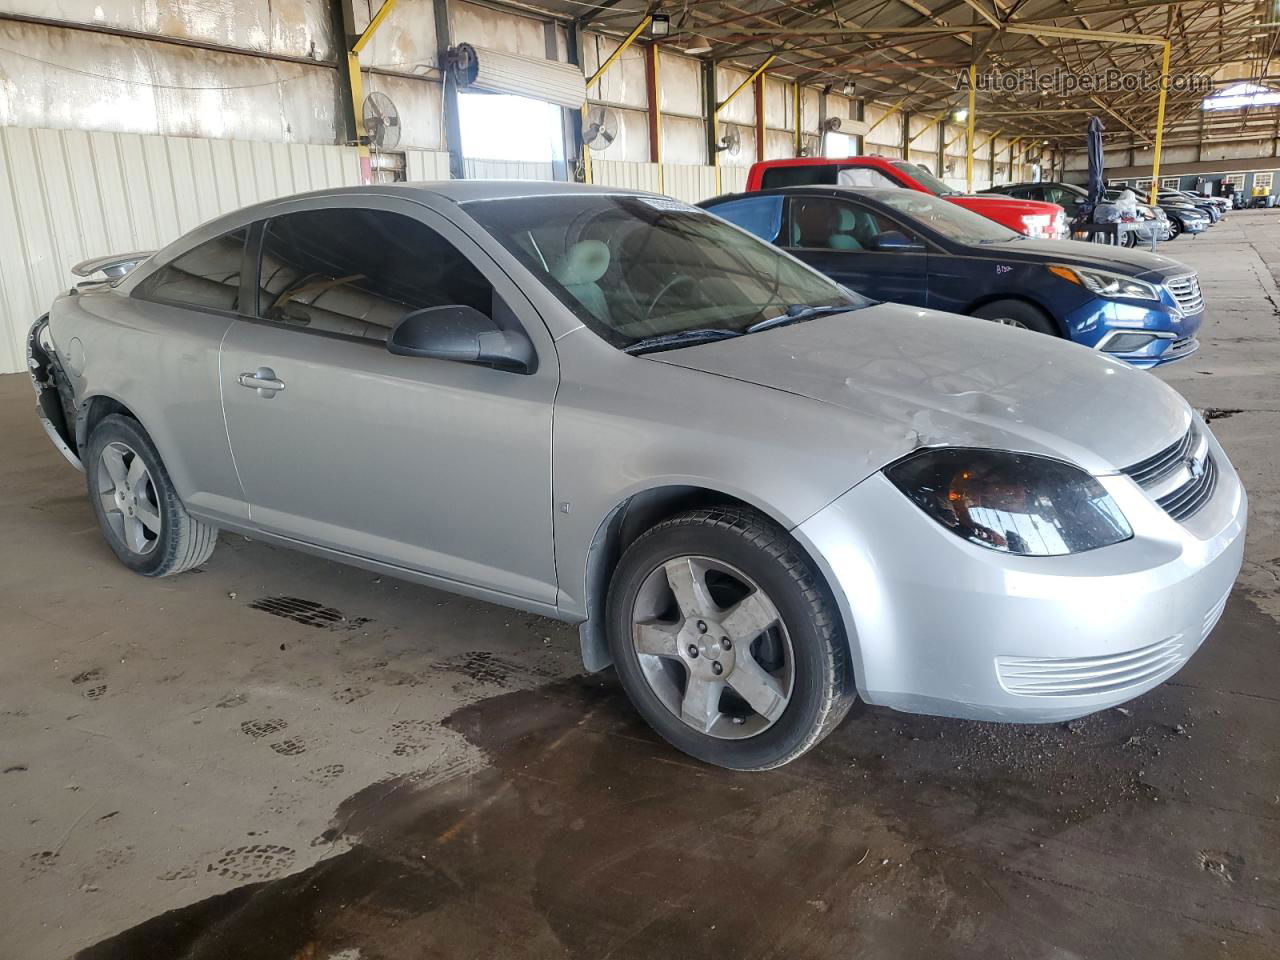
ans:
(875, 193)
(463, 191)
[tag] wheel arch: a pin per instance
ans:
(1019, 298)
(633, 516)
(94, 409)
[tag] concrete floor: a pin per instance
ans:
(197, 767)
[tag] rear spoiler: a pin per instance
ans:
(114, 266)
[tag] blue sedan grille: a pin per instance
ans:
(1186, 291)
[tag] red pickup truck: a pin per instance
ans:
(1035, 218)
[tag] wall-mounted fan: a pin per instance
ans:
(831, 125)
(730, 141)
(601, 129)
(381, 121)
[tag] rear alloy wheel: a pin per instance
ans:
(1016, 313)
(1175, 228)
(142, 518)
(726, 640)
(127, 494)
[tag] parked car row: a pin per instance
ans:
(760, 492)
(1070, 197)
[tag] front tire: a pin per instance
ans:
(1175, 228)
(1017, 313)
(141, 516)
(727, 640)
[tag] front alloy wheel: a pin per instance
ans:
(727, 639)
(713, 648)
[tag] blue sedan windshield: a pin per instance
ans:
(953, 222)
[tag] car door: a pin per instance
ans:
(172, 325)
(437, 466)
(847, 240)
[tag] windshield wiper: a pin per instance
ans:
(683, 338)
(798, 312)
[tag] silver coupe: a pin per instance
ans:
(760, 494)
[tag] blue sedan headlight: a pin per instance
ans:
(1012, 502)
(1105, 283)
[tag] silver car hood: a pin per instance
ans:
(925, 378)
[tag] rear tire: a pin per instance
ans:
(708, 576)
(1175, 228)
(1017, 313)
(142, 519)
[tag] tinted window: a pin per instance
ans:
(205, 277)
(924, 178)
(358, 272)
(632, 267)
(759, 215)
(820, 223)
(801, 175)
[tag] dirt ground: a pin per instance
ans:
(280, 757)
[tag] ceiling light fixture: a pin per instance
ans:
(660, 25)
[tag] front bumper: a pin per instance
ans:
(941, 626)
(1099, 321)
(53, 394)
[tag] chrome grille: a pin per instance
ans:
(1083, 676)
(1181, 477)
(1155, 468)
(1194, 494)
(1186, 291)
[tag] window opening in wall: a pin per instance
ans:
(508, 128)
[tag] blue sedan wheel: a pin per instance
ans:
(1017, 313)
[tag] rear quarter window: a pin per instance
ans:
(759, 215)
(802, 175)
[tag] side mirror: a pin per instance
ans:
(895, 241)
(462, 334)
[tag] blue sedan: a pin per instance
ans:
(910, 247)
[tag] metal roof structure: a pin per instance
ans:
(914, 52)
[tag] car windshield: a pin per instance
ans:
(925, 178)
(953, 222)
(634, 268)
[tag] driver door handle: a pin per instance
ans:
(263, 380)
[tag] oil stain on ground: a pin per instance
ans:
(586, 837)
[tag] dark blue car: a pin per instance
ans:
(910, 247)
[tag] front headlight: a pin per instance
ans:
(1012, 502)
(1105, 283)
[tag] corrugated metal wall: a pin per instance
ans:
(70, 195)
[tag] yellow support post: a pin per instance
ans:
(1155, 156)
(799, 128)
(887, 114)
(715, 114)
(968, 165)
(608, 62)
(746, 83)
(357, 84)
